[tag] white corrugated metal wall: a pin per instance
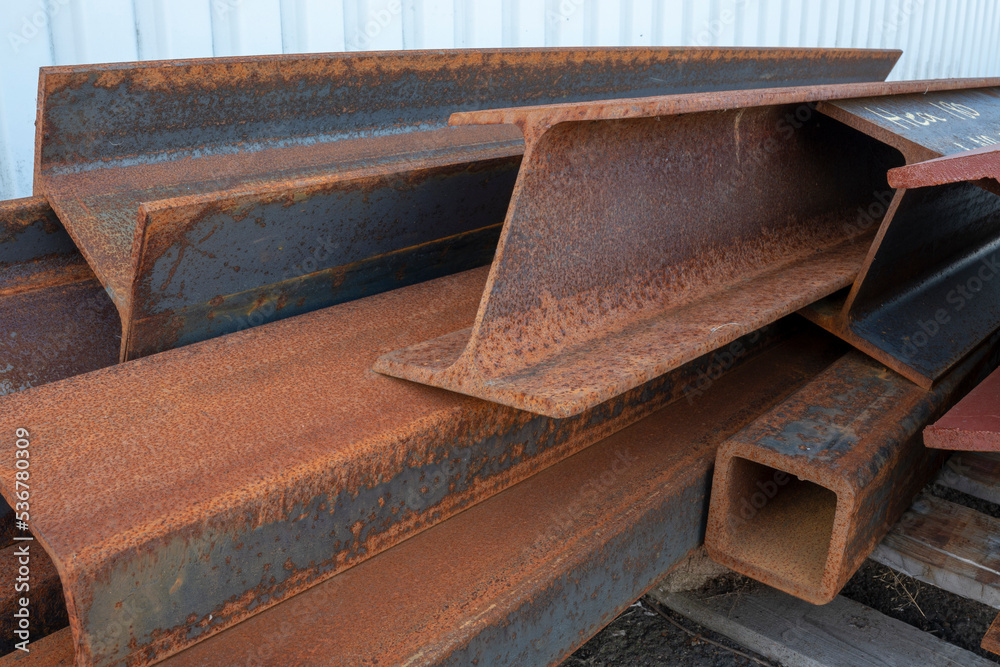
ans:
(940, 38)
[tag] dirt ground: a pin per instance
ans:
(645, 635)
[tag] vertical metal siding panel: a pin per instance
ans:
(93, 33)
(767, 28)
(931, 66)
(740, 24)
(988, 45)
(827, 24)
(808, 35)
(173, 29)
(923, 49)
(916, 28)
(529, 23)
(26, 46)
(373, 25)
(692, 18)
(724, 28)
(564, 24)
(434, 23)
(790, 28)
(246, 27)
(602, 23)
(982, 25)
(638, 23)
(971, 65)
(320, 26)
(67, 37)
(950, 43)
(876, 10)
(672, 16)
(859, 23)
(483, 24)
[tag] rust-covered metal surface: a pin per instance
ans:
(926, 295)
(226, 476)
(645, 232)
(55, 318)
(973, 424)
(528, 575)
(802, 496)
(212, 195)
(991, 640)
(972, 165)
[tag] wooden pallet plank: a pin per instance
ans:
(946, 545)
(974, 473)
(799, 634)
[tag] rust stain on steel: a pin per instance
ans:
(802, 496)
(925, 296)
(55, 319)
(740, 209)
(55, 650)
(248, 468)
(973, 424)
(47, 609)
(214, 180)
(544, 565)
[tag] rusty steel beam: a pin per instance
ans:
(926, 296)
(973, 424)
(56, 321)
(643, 233)
(991, 640)
(801, 497)
(528, 575)
(222, 193)
(250, 467)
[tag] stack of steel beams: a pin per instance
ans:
(515, 306)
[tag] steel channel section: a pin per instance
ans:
(222, 193)
(55, 318)
(531, 573)
(804, 494)
(973, 424)
(925, 296)
(741, 208)
(228, 475)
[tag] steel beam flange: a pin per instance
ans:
(803, 495)
(928, 293)
(56, 320)
(644, 232)
(973, 424)
(224, 193)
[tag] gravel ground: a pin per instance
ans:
(644, 637)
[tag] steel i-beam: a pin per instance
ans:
(643, 233)
(927, 295)
(212, 195)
